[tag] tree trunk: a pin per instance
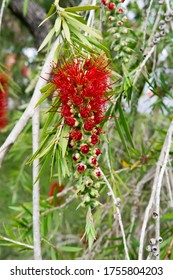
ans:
(35, 14)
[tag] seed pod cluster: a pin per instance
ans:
(163, 27)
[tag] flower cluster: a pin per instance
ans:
(118, 25)
(3, 101)
(82, 86)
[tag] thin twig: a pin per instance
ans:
(2, 11)
(68, 200)
(155, 194)
(17, 242)
(145, 24)
(162, 167)
(36, 187)
(118, 214)
(169, 187)
(147, 177)
(138, 72)
(63, 192)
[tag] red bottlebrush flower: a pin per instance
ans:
(71, 121)
(3, 101)
(97, 152)
(76, 156)
(89, 125)
(81, 167)
(111, 6)
(84, 149)
(94, 139)
(55, 188)
(85, 112)
(76, 135)
(66, 111)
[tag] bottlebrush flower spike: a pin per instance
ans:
(83, 86)
(3, 101)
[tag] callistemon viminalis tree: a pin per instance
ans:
(3, 101)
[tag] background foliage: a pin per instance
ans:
(131, 145)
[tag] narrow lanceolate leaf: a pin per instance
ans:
(48, 17)
(57, 25)
(47, 39)
(25, 7)
(80, 36)
(90, 230)
(120, 132)
(79, 25)
(97, 44)
(47, 93)
(64, 139)
(125, 126)
(66, 31)
(81, 8)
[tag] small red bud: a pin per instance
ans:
(92, 161)
(81, 167)
(120, 10)
(105, 2)
(94, 139)
(120, 22)
(97, 152)
(76, 156)
(84, 149)
(97, 173)
(111, 6)
(71, 121)
(89, 125)
(111, 18)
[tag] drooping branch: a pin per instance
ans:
(28, 113)
(155, 194)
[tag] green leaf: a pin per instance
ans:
(53, 253)
(64, 139)
(57, 25)
(81, 8)
(66, 31)
(70, 249)
(47, 39)
(77, 24)
(125, 127)
(89, 229)
(52, 8)
(83, 45)
(25, 7)
(48, 92)
(48, 17)
(56, 53)
(121, 135)
(97, 44)
(80, 36)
